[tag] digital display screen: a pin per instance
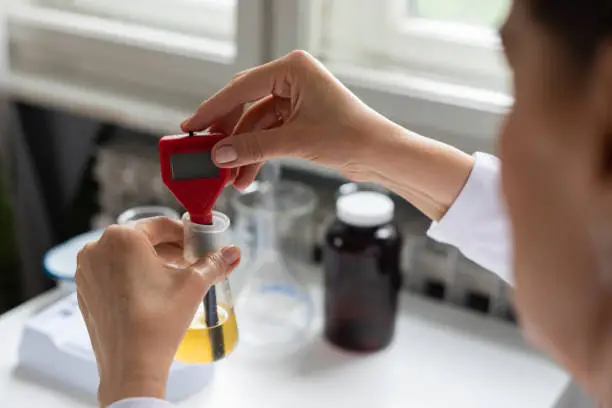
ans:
(190, 166)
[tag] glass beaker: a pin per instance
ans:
(293, 219)
(276, 309)
(140, 213)
(213, 333)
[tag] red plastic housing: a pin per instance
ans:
(197, 195)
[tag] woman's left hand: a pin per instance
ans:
(137, 306)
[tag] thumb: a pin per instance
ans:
(216, 266)
(250, 148)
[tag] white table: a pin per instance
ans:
(441, 358)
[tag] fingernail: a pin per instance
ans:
(230, 255)
(225, 154)
(185, 123)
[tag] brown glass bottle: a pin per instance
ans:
(362, 273)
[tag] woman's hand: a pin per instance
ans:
(137, 307)
(300, 110)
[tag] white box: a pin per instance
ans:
(55, 345)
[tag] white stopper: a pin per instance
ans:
(365, 209)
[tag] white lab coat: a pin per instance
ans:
(476, 224)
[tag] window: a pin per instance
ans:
(454, 41)
(480, 13)
(435, 66)
(182, 16)
(145, 63)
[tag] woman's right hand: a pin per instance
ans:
(298, 110)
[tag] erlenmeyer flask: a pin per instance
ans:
(275, 308)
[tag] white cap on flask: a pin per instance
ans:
(365, 209)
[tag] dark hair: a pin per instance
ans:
(583, 25)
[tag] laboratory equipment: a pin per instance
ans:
(275, 306)
(361, 256)
(140, 213)
(285, 207)
(55, 346)
(190, 174)
(344, 189)
(55, 343)
(213, 333)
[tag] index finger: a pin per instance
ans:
(250, 86)
(159, 230)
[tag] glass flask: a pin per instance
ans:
(290, 220)
(213, 333)
(275, 305)
(140, 213)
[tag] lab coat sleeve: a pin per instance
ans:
(477, 222)
(141, 403)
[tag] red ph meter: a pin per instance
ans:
(191, 175)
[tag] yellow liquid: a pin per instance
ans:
(202, 345)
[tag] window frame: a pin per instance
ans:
(464, 54)
(471, 115)
(166, 97)
(168, 14)
(390, 37)
(4, 80)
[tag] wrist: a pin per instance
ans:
(366, 151)
(131, 385)
(382, 139)
(428, 173)
(389, 152)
